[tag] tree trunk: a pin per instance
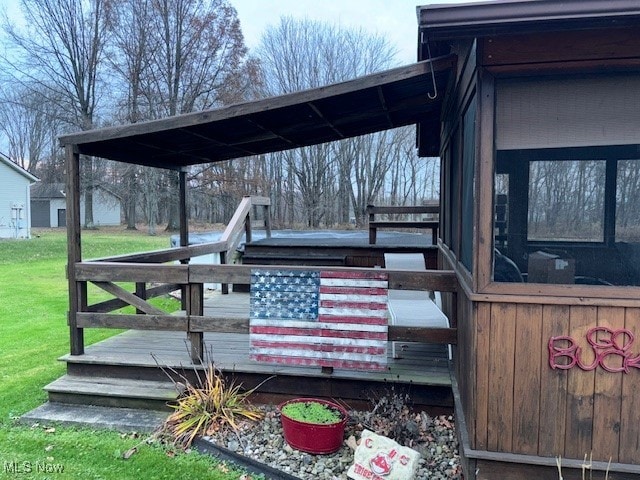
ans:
(88, 194)
(173, 222)
(133, 199)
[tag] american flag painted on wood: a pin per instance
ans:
(326, 318)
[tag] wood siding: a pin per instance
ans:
(528, 51)
(516, 411)
(515, 402)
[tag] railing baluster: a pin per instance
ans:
(141, 291)
(195, 306)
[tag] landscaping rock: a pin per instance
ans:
(264, 443)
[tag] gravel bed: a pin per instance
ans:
(433, 437)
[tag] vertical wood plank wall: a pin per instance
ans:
(514, 402)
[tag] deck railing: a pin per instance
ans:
(162, 278)
(191, 279)
(431, 210)
(153, 276)
(228, 243)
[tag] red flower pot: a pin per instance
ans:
(312, 437)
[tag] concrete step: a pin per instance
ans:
(111, 418)
(112, 392)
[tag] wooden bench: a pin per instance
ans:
(431, 210)
(412, 308)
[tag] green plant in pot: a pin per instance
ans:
(313, 425)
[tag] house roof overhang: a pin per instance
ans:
(376, 102)
(441, 23)
(14, 166)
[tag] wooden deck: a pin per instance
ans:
(423, 369)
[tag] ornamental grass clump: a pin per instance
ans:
(209, 407)
(312, 412)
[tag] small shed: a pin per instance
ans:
(49, 206)
(15, 208)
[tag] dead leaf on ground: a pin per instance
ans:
(129, 453)
(445, 422)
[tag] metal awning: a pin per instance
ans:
(376, 102)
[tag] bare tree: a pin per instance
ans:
(131, 46)
(173, 57)
(372, 158)
(198, 59)
(27, 123)
(199, 50)
(301, 54)
(59, 51)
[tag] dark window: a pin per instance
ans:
(454, 192)
(568, 215)
(468, 160)
(445, 207)
(628, 201)
(566, 201)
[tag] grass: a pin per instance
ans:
(33, 334)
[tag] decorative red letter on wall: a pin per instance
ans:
(604, 343)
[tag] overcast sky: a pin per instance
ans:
(397, 19)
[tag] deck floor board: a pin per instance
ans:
(420, 366)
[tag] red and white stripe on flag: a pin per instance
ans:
(349, 331)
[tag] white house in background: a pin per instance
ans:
(15, 211)
(49, 206)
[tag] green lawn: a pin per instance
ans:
(33, 334)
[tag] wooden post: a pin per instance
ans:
(610, 203)
(77, 291)
(141, 291)
(247, 229)
(372, 228)
(184, 229)
(267, 219)
(195, 306)
(184, 221)
(224, 287)
(518, 208)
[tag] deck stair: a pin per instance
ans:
(112, 391)
(121, 371)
